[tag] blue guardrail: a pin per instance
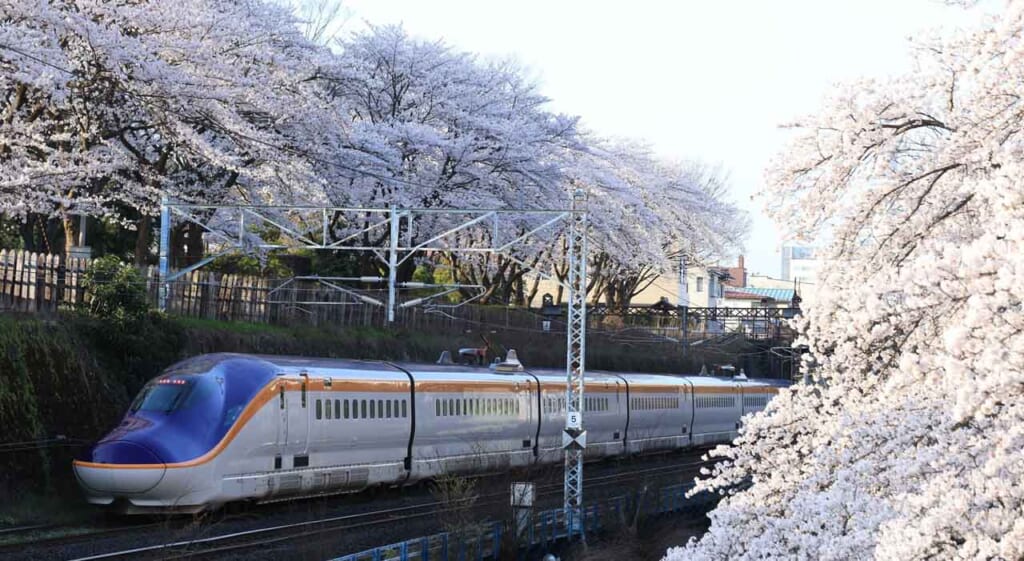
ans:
(549, 526)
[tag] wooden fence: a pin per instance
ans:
(38, 282)
(44, 284)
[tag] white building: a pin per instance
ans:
(800, 263)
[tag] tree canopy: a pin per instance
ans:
(108, 106)
(908, 440)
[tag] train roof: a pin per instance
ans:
(342, 367)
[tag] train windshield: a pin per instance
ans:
(164, 395)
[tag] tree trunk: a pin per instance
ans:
(194, 243)
(27, 231)
(142, 240)
(177, 249)
(68, 222)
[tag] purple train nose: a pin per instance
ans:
(120, 468)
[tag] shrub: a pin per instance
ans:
(117, 291)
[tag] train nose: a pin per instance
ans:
(119, 468)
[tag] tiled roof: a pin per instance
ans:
(777, 294)
(738, 295)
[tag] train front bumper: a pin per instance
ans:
(119, 469)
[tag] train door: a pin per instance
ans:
(282, 424)
(293, 425)
(298, 408)
(741, 407)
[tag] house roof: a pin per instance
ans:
(738, 295)
(777, 294)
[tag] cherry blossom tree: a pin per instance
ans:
(107, 107)
(907, 442)
(110, 105)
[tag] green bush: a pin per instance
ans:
(117, 291)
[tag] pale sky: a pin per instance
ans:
(707, 80)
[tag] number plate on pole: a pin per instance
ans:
(573, 421)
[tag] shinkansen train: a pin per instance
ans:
(220, 428)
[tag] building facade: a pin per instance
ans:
(799, 263)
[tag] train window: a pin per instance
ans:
(388, 415)
(444, 408)
(517, 406)
(165, 395)
(437, 407)
(319, 410)
(380, 408)
(329, 409)
(345, 402)
(458, 407)
(337, 408)
(405, 412)
(373, 409)
(362, 408)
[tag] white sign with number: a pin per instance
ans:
(573, 421)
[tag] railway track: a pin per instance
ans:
(13, 540)
(248, 540)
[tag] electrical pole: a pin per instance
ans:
(575, 437)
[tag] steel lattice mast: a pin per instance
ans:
(575, 435)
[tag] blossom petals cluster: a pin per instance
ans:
(905, 441)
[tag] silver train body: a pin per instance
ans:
(222, 428)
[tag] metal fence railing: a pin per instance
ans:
(485, 542)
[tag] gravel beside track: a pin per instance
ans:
(331, 526)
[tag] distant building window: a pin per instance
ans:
(803, 253)
(700, 284)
